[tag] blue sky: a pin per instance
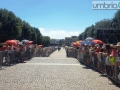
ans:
(57, 18)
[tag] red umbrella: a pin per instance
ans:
(97, 41)
(40, 45)
(29, 42)
(11, 42)
(75, 44)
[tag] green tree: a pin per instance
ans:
(33, 35)
(46, 40)
(10, 25)
(116, 20)
(26, 30)
(91, 31)
(39, 36)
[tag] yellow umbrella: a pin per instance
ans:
(79, 41)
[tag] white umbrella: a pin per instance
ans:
(89, 38)
(24, 41)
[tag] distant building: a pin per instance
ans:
(53, 41)
(57, 41)
(74, 38)
(69, 40)
(63, 41)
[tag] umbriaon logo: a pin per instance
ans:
(105, 4)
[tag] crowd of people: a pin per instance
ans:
(71, 52)
(102, 57)
(11, 53)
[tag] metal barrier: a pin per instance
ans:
(97, 62)
(1, 60)
(12, 57)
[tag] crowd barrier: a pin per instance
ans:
(96, 62)
(45, 52)
(12, 57)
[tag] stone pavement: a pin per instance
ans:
(53, 73)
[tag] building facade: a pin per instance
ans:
(53, 42)
(69, 40)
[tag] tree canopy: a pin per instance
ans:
(91, 31)
(12, 27)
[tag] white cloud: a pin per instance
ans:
(58, 34)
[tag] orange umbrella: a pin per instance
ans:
(79, 41)
(97, 41)
(11, 42)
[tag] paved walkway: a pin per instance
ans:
(53, 73)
